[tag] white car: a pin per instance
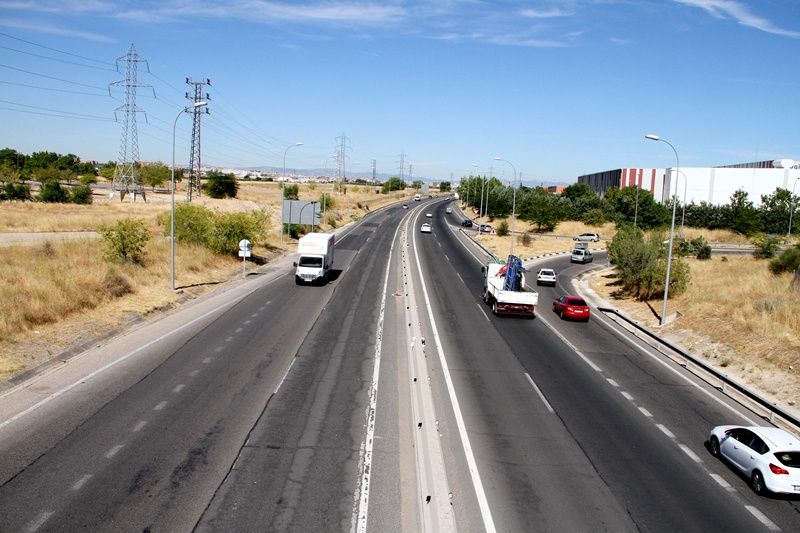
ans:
(591, 237)
(449, 210)
(425, 228)
(768, 456)
(546, 276)
(429, 215)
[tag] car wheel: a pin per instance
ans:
(713, 446)
(561, 315)
(494, 307)
(757, 482)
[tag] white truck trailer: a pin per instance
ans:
(504, 288)
(316, 257)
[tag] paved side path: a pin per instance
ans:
(37, 237)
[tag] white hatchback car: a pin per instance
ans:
(449, 210)
(768, 456)
(425, 228)
(546, 276)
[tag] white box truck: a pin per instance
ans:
(504, 288)
(316, 257)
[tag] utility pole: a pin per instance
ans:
(196, 96)
(126, 172)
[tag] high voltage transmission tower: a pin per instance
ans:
(341, 154)
(402, 164)
(126, 173)
(196, 96)
(374, 169)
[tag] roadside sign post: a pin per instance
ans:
(244, 252)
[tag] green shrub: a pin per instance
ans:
(126, 240)
(704, 252)
(16, 191)
(192, 223)
(766, 246)
(291, 192)
(52, 192)
(788, 261)
(332, 221)
(220, 186)
(594, 217)
(502, 229)
(525, 239)
(325, 199)
(230, 228)
(81, 194)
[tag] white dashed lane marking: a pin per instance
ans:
(218, 349)
(613, 383)
(178, 388)
(207, 360)
(665, 431)
(193, 373)
(645, 412)
(722, 483)
(762, 518)
(78, 485)
(238, 330)
(693, 456)
(139, 425)
(39, 522)
(113, 451)
(627, 396)
(229, 339)
(160, 406)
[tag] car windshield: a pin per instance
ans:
(548, 273)
(790, 459)
(313, 262)
(576, 301)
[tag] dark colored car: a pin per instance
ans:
(467, 223)
(571, 307)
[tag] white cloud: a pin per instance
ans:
(725, 9)
(55, 30)
(544, 13)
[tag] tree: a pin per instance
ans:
(416, 184)
(219, 185)
(107, 170)
(444, 186)
(744, 215)
(775, 209)
(154, 174)
(539, 207)
(393, 184)
(624, 207)
(126, 240)
(52, 192)
(578, 191)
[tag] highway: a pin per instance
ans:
(389, 399)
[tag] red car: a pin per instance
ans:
(571, 307)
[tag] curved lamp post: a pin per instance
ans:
(172, 195)
(513, 201)
(298, 143)
(652, 137)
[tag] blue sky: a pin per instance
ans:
(558, 88)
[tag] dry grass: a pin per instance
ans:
(56, 295)
(62, 293)
(738, 317)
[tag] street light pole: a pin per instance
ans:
(792, 207)
(513, 202)
(172, 195)
(652, 137)
(480, 205)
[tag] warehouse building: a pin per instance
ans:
(714, 185)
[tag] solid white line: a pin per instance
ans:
(480, 308)
(113, 451)
(102, 369)
(284, 375)
(665, 431)
(645, 412)
(483, 502)
(693, 456)
(160, 406)
(178, 388)
(539, 392)
(362, 492)
(626, 395)
(139, 425)
(39, 522)
(724, 484)
(762, 518)
(78, 485)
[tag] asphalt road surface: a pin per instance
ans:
(389, 399)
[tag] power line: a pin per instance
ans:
(55, 59)
(98, 119)
(76, 115)
(104, 94)
(52, 77)
(57, 50)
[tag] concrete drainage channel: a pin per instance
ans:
(436, 513)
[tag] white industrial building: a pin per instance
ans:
(714, 185)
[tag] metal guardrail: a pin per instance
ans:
(726, 384)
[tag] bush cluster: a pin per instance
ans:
(788, 261)
(219, 232)
(125, 240)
